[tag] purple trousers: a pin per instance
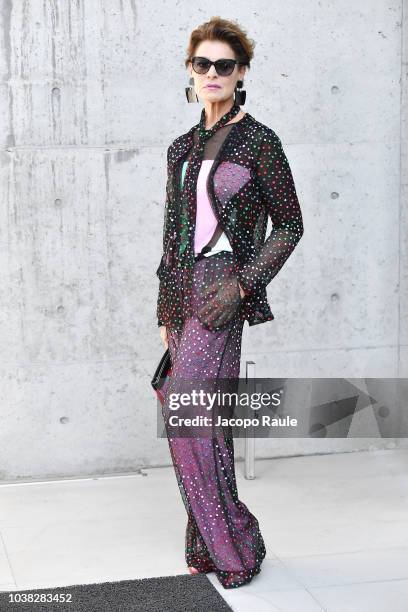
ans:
(221, 534)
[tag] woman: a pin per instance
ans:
(224, 177)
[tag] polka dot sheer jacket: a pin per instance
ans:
(249, 180)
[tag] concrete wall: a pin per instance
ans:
(91, 94)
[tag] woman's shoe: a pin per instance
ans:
(193, 570)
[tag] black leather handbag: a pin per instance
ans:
(162, 372)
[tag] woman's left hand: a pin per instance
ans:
(221, 302)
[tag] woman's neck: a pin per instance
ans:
(235, 119)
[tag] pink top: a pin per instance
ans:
(206, 222)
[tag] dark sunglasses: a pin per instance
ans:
(224, 67)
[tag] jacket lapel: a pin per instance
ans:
(181, 145)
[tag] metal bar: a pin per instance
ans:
(249, 437)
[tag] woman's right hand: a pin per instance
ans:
(163, 336)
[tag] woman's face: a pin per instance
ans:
(214, 50)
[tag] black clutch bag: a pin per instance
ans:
(163, 371)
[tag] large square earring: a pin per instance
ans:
(191, 94)
(240, 96)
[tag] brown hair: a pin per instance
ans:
(226, 31)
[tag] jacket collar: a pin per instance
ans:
(184, 142)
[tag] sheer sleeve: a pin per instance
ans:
(166, 232)
(168, 205)
(279, 194)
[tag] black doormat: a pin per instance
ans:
(184, 593)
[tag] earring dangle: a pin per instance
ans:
(191, 94)
(240, 94)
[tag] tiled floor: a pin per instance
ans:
(335, 527)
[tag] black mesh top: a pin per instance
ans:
(212, 146)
